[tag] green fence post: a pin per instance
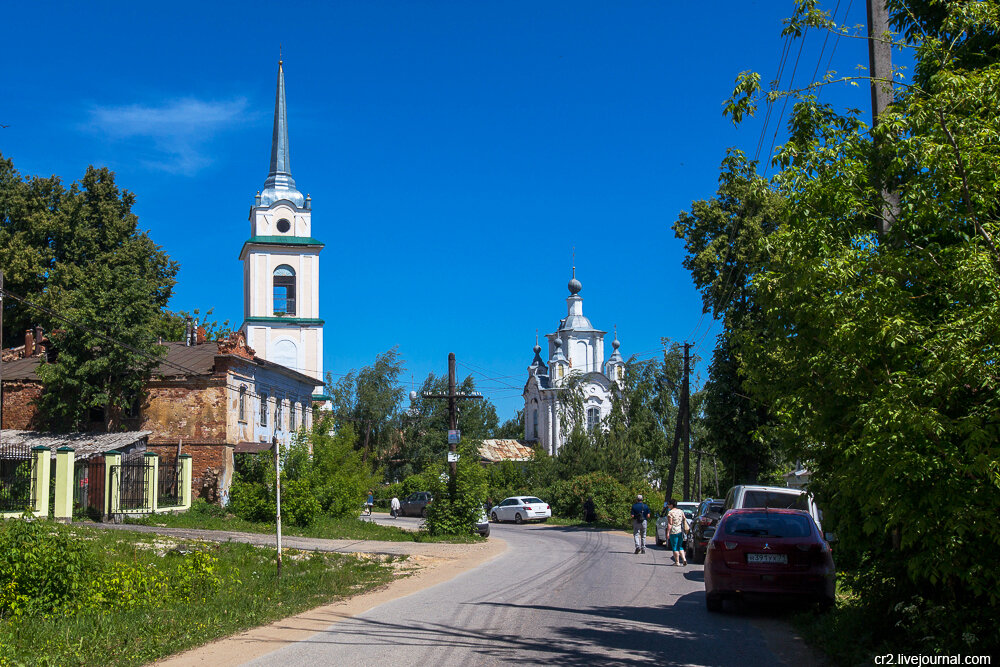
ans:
(185, 481)
(112, 483)
(41, 464)
(153, 481)
(65, 467)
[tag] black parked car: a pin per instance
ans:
(415, 504)
(703, 528)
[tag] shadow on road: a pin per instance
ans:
(681, 633)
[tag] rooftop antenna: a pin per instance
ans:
(574, 261)
(280, 61)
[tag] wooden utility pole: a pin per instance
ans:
(880, 69)
(686, 400)
(453, 397)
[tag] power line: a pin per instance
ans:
(163, 361)
(784, 106)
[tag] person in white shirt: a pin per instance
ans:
(676, 525)
(394, 507)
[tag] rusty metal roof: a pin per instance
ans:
(85, 444)
(500, 449)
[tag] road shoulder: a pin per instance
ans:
(427, 567)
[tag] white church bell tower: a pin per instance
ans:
(281, 265)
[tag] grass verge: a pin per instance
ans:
(211, 517)
(242, 591)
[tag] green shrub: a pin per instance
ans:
(458, 515)
(298, 503)
(41, 567)
(251, 500)
(612, 500)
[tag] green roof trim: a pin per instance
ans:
(286, 240)
(285, 320)
(321, 397)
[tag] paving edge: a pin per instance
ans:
(251, 644)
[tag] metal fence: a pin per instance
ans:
(169, 487)
(133, 481)
(15, 478)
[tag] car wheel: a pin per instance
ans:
(659, 542)
(493, 518)
(423, 513)
(485, 533)
(713, 602)
(517, 518)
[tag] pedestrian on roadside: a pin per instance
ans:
(677, 525)
(640, 515)
(394, 507)
(589, 511)
(370, 502)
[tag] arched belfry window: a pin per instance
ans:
(284, 290)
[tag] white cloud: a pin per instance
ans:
(174, 136)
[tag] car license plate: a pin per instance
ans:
(768, 558)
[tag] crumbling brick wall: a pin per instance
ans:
(211, 467)
(193, 411)
(19, 409)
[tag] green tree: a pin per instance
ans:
(726, 243)
(79, 252)
(369, 400)
(875, 350)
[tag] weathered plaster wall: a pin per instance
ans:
(19, 410)
(194, 411)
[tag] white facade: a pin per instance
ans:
(281, 317)
(576, 348)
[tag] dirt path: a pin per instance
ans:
(428, 564)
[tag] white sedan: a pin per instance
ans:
(689, 510)
(520, 509)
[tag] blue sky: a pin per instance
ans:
(455, 152)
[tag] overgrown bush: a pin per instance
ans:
(41, 568)
(612, 500)
(457, 515)
(298, 504)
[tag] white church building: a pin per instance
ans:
(575, 348)
(281, 319)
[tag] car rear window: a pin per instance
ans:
(528, 501)
(716, 508)
(776, 499)
(767, 525)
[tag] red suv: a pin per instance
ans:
(768, 551)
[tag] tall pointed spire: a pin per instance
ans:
(279, 183)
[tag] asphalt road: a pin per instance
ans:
(568, 595)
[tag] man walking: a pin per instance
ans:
(640, 514)
(394, 507)
(676, 525)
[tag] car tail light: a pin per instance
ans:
(527, 507)
(547, 507)
(705, 521)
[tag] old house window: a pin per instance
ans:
(278, 404)
(534, 423)
(263, 408)
(593, 418)
(291, 416)
(243, 403)
(284, 290)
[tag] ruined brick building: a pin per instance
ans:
(210, 399)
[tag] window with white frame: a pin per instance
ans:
(593, 418)
(243, 403)
(278, 404)
(292, 426)
(263, 408)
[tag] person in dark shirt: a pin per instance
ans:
(589, 511)
(640, 514)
